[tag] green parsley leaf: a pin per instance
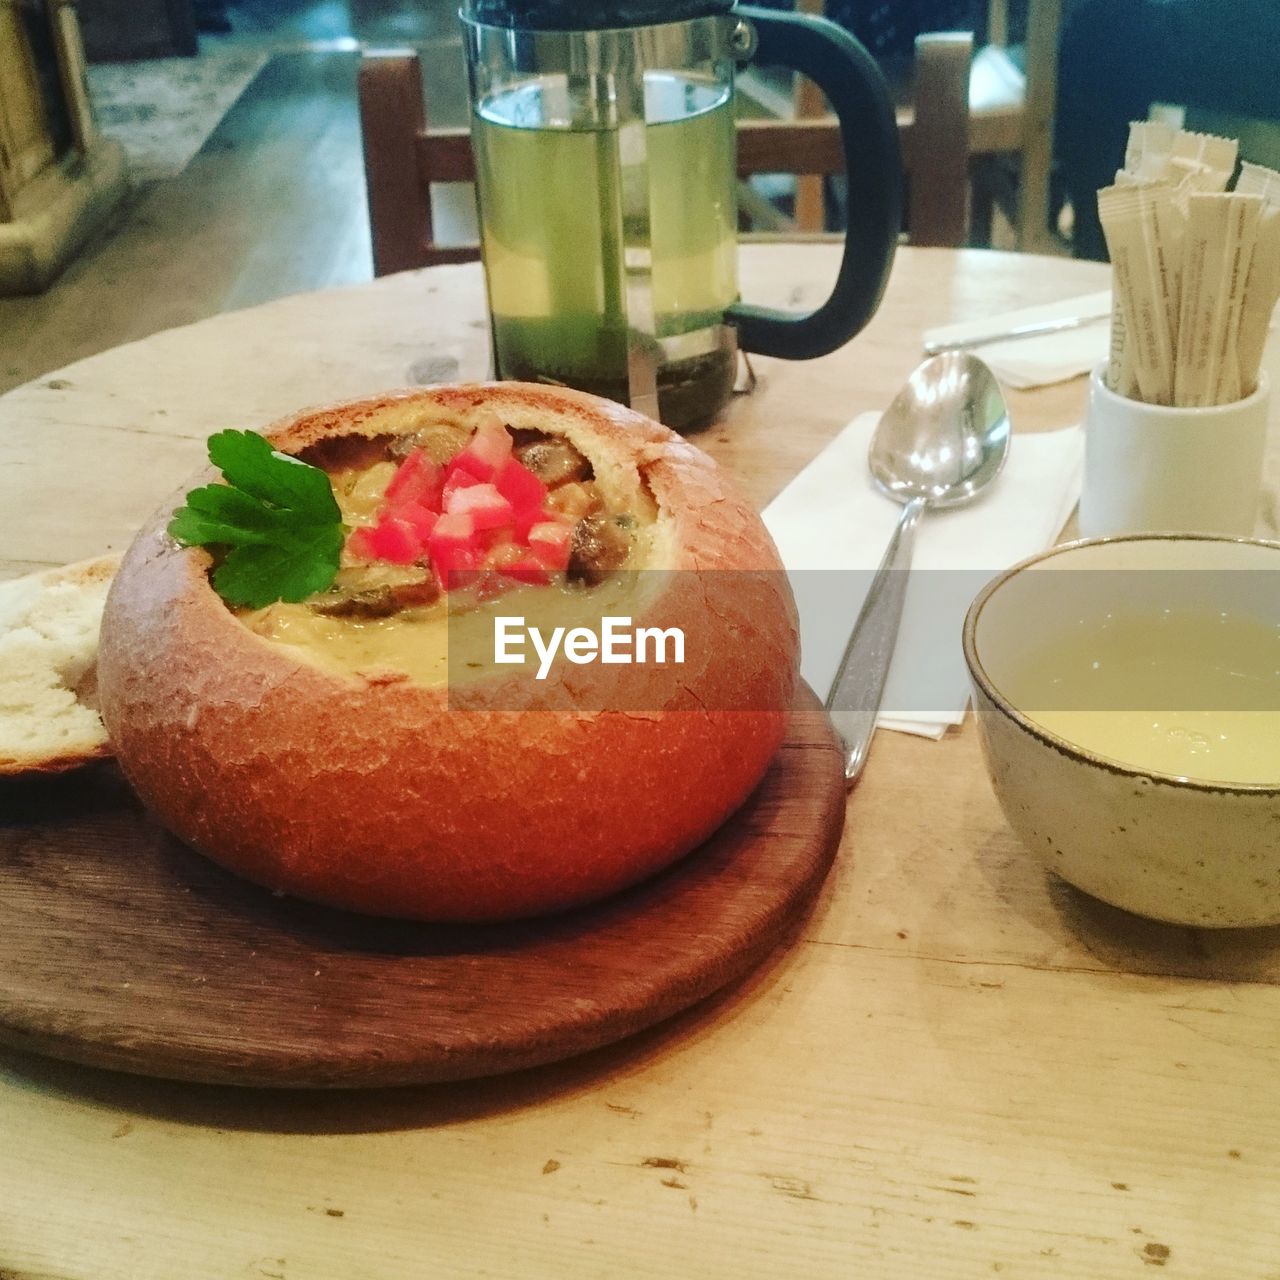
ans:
(274, 525)
(248, 462)
(297, 566)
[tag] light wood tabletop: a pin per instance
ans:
(958, 1067)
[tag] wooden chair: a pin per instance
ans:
(1010, 118)
(1012, 114)
(935, 126)
(403, 158)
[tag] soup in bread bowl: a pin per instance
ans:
(360, 747)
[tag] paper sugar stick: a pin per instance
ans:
(1149, 149)
(1201, 160)
(1221, 233)
(1128, 215)
(1262, 288)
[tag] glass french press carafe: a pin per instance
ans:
(606, 178)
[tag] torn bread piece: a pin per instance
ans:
(49, 624)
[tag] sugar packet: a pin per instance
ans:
(1262, 288)
(1222, 232)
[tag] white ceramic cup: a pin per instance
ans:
(1149, 468)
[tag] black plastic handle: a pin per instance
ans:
(857, 91)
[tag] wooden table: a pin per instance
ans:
(960, 1068)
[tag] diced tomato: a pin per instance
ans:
(454, 546)
(487, 451)
(549, 544)
(526, 519)
(483, 520)
(358, 544)
(421, 520)
(457, 480)
(417, 480)
(454, 528)
(395, 541)
(487, 508)
(520, 486)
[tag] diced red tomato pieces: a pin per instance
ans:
(454, 546)
(487, 450)
(419, 519)
(526, 519)
(482, 514)
(358, 543)
(395, 541)
(549, 544)
(417, 480)
(520, 486)
(458, 479)
(454, 528)
(487, 508)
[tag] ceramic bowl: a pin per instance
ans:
(1183, 633)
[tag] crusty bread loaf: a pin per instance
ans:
(48, 651)
(401, 799)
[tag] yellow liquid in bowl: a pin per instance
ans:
(1195, 695)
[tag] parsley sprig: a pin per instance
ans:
(274, 526)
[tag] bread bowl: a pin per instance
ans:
(353, 781)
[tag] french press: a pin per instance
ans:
(606, 179)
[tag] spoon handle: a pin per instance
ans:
(854, 701)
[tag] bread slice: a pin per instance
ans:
(48, 667)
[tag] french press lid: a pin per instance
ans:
(574, 15)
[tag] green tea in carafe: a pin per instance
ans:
(554, 233)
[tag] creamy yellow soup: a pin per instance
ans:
(432, 646)
(1196, 695)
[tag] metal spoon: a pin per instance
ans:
(939, 444)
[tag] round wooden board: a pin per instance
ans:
(121, 948)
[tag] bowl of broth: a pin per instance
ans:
(1127, 695)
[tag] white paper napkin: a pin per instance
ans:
(1037, 362)
(832, 526)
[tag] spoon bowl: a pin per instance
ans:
(941, 442)
(945, 437)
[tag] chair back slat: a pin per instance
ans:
(789, 146)
(446, 155)
(392, 118)
(937, 158)
(403, 157)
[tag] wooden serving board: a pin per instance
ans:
(122, 948)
